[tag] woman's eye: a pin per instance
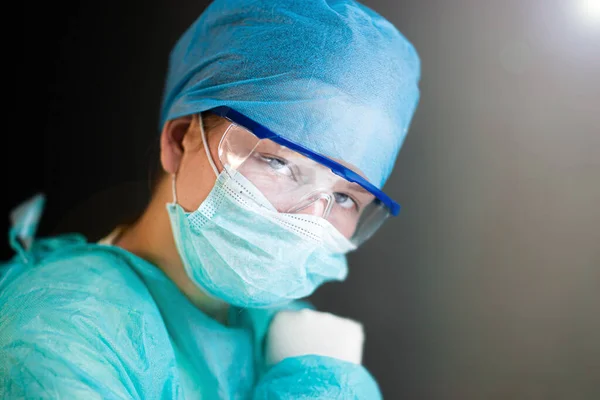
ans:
(279, 165)
(345, 201)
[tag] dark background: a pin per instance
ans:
(487, 286)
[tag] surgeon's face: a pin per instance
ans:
(308, 188)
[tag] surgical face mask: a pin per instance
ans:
(238, 248)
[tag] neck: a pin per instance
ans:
(151, 238)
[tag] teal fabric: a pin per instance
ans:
(311, 377)
(239, 249)
(24, 221)
(331, 75)
(88, 321)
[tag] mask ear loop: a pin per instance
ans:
(173, 176)
(208, 155)
(206, 149)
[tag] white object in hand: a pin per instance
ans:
(302, 332)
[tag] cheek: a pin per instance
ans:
(195, 180)
(345, 224)
(347, 228)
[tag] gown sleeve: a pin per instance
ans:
(316, 377)
(308, 376)
(79, 325)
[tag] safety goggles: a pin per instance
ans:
(296, 180)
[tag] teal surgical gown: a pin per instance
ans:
(81, 320)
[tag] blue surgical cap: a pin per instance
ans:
(331, 75)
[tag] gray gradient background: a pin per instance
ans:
(487, 286)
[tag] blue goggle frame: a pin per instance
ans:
(263, 132)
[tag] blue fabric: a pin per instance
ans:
(81, 320)
(333, 76)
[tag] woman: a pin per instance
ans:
(281, 121)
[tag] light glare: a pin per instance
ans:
(590, 10)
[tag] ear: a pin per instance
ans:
(171, 142)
